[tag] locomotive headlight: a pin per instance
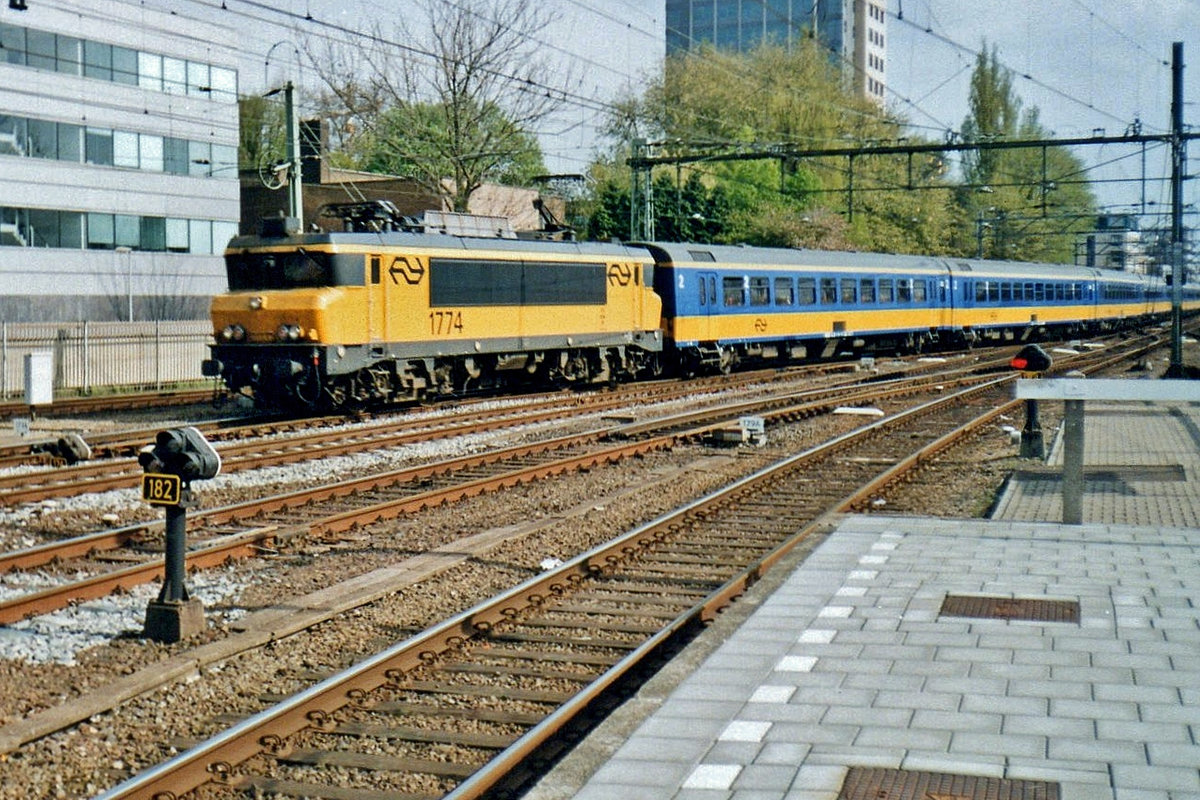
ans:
(288, 333)
(256, 303)
(233, 333)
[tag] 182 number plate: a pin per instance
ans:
(161, 490)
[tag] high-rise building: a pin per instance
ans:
(118, 160)
(853, 31)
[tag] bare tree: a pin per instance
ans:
(451, 104)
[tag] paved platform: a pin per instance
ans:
(850, 661)
(1141, 465)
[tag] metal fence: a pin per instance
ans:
(90, 356)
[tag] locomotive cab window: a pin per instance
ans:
(291, 269)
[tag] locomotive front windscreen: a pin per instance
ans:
(252, 270)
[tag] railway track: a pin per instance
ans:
(243, 446)
(558, 702)
(500, 683)
(113, 465)
(247, 529)
(91, 404)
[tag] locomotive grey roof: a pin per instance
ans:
(468, 244)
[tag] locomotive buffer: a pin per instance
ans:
(177, 457)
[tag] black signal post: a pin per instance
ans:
(1033, 362)
(177, 457)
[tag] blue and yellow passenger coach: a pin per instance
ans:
(725, 305)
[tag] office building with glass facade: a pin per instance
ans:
(854, 31)
(118, 161)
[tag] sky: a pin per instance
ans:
(1087, 65)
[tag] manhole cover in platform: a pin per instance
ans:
(1031, 609)
(864, 783)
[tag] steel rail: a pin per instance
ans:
(83, 545)
(267, 732)
(107, 475)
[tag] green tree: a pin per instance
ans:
(415, 141)
(774, 98)
(444, 98)
(1022, 203)
(262, 136)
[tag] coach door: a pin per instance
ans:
(375, 299)
(707, 291)
(943, 298)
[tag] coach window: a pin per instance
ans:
(885, 290)
(734, 291)
(828, 291)
(1005, 292)
(980, 291)
(904, 290)
(760, 291)
(807, 291)
(1060, 291)
(785, 292)
(849, 295)
(1039, 292)
(866, 290)
(919, 292)
(993, 291)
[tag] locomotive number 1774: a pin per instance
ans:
(445, 323)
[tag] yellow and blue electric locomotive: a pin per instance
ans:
(378, 314)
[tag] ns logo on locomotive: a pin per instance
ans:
(389, 309)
